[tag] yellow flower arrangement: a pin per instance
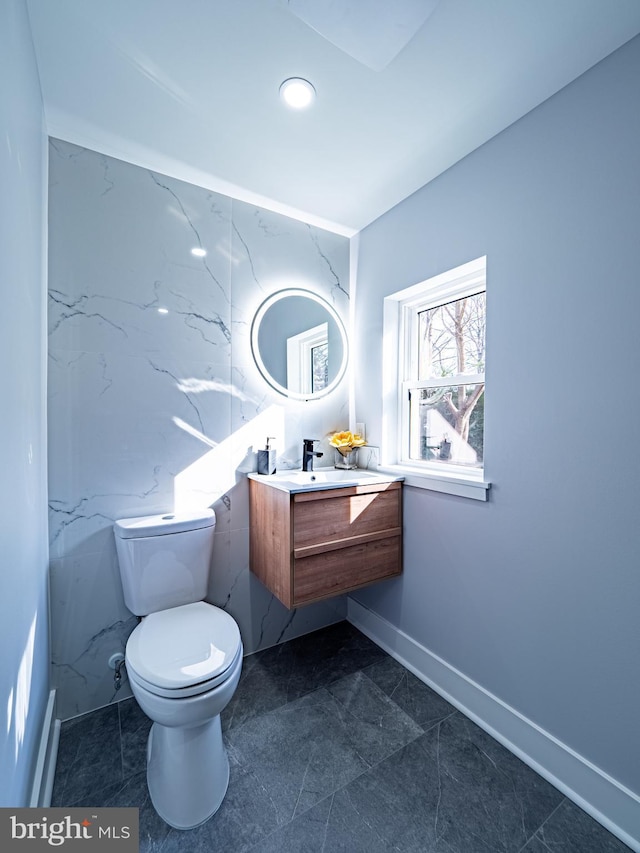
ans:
(344, 442)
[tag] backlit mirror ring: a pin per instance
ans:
(269, 302)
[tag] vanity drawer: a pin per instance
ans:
(341, 570)
(340, 518)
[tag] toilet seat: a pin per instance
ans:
(184, 651)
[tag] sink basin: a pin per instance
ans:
(327, 478)
(330, 476)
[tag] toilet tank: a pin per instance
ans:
(164, 559)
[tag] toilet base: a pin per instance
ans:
(187, 772)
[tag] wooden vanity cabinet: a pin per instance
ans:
(306, 546)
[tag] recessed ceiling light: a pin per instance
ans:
(199, 252)
(297, 93)
(163, 310)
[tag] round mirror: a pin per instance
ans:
(299, 344)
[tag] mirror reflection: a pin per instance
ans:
(299, 344)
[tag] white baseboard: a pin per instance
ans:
(606, 800)
(47, 754)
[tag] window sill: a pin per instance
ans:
(451, 484)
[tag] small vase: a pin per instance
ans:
(348, 459)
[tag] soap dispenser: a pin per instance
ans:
(267, 459)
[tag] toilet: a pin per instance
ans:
(183, 660)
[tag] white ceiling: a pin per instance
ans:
(190, 87)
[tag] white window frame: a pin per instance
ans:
(400, 343)
(300, 357)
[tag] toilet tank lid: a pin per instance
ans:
(161, 525)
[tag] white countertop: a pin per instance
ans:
(322, 478)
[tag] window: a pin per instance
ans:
(433, 400)
(444, 382)
(308, 360)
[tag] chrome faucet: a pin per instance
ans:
(308, 453)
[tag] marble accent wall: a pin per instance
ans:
(151, 412)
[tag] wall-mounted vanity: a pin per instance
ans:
(318, 534)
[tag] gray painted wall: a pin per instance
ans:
(535, 595)
(24, 674)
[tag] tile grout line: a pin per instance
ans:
(544, 822)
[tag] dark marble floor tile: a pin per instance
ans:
(134, 732)
(263, 687)
(246, 816)
(284, 673)
(326, 655)
(449, 790)
(133, 793)
(535, 846)
(310, 748)
(298, 753)
(415, 698)
(331, 826)
(306, 834)
(571, 830)
(373, 723)
(485, 793)
(89, 756)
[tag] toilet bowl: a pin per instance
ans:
(183, 662)
(183, 666)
